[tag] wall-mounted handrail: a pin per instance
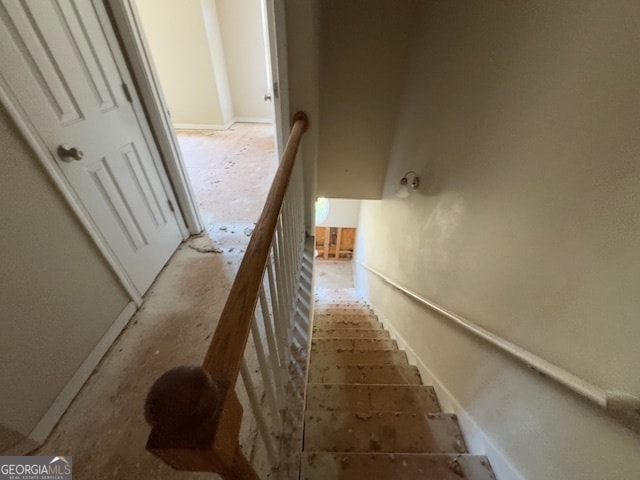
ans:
(194, 412)
(622, 406)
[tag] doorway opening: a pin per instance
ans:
(336, 229)
(212, 60)
(230, 172)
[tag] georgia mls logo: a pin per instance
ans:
(35, 468)
(64, 463)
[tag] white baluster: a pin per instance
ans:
(267, 438)
(277, 370)
(267, 378)
(276, 301)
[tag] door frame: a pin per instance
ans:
(276, 35)
(128, 27)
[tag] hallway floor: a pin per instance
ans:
(104, 429)
(333, 273)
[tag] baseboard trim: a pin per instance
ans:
(226, 126)
(46, 424)
(201, 126)
(477, 442)
(252, 120)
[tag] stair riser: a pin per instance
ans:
(363, 357)
(334, 299)
(338, 292)
(372, 374)
(342, 311)
(320, 333)
(344, 316)
(339, 299)
(358, 466)
(342, 344)
(330, 300)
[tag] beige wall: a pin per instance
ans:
(178, 41)
(364, 50)
(210, 58)
(243, 38)
(303, 74)
(523, 121)
(57, 295)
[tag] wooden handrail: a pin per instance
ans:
(225, 352)
(194, 412)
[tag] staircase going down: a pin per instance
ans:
(368, 415)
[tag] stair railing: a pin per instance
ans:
(621, 406)
(194, 411)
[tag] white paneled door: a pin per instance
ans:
(63, 73)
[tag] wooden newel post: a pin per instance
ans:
(300, 115)
(195, 424)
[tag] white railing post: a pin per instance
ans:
(278, 317)
(278, 365)
(293, 245)
(267, 379)
(263, 429)
(284, 271)
(282, 276)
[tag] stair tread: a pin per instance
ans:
(370, 322)
(350, 333)
(347, 316)
(372, 398)
(366, 374)
(423, 466)
(406, 432)
(339, 300)
(357, 357)
(326, 295)
(343, 344)
(337, 297)
(343, 310)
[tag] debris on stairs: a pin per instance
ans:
(368, 415)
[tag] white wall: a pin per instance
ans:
(522, 121)
(210, 58)
(57, 295)
(343, 212)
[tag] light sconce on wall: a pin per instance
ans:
(408, 184)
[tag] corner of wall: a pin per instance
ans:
(212, 30)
